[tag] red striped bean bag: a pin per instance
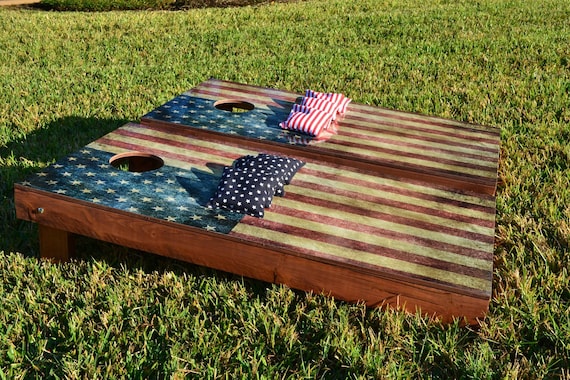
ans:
(308, 120)
(333, 97)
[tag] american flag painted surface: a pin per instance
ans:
(398, 228)
(416, 143)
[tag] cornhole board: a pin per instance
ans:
(446, 152)
(357, 229)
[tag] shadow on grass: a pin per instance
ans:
(65, 136)
(45, 146)
(178, 5)
(29, 155)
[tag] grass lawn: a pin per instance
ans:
(68, 78)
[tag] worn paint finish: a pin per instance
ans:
(329, 212)
(375, 223)
(413, 142)
(170, 193)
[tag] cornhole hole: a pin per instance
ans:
(353, 222)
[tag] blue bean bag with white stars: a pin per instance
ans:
(249, 185)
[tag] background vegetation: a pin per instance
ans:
(109, 5)
(68, 78)
(105, 5)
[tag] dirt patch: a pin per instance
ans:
(18, 2)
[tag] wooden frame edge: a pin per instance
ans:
(205, 249)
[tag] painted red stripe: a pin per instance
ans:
(474, 236)
(399, 190)
(402, 205)
(378, 231)
(161, 153)
(249, 87)
(380, 138)
(174, 143)
(486, 275)
(423, 168)
(369, 110)
(403, 153)
(356, 244)
(427, 120)
(439, 136)
(221, 86)
(268, 102)
(403, 132)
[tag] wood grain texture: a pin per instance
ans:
(248, 259)
(447, 152)
(55, 244)
(396, 210)
(343, 215)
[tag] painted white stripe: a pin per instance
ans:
(376, 240)
(392, 145)
(480, 200)
(475, 150)
(436, 206)
(366, 257)
(388, 225)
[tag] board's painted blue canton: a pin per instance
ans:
(168, 193)
(201, 113)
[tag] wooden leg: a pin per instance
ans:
(55, 245)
